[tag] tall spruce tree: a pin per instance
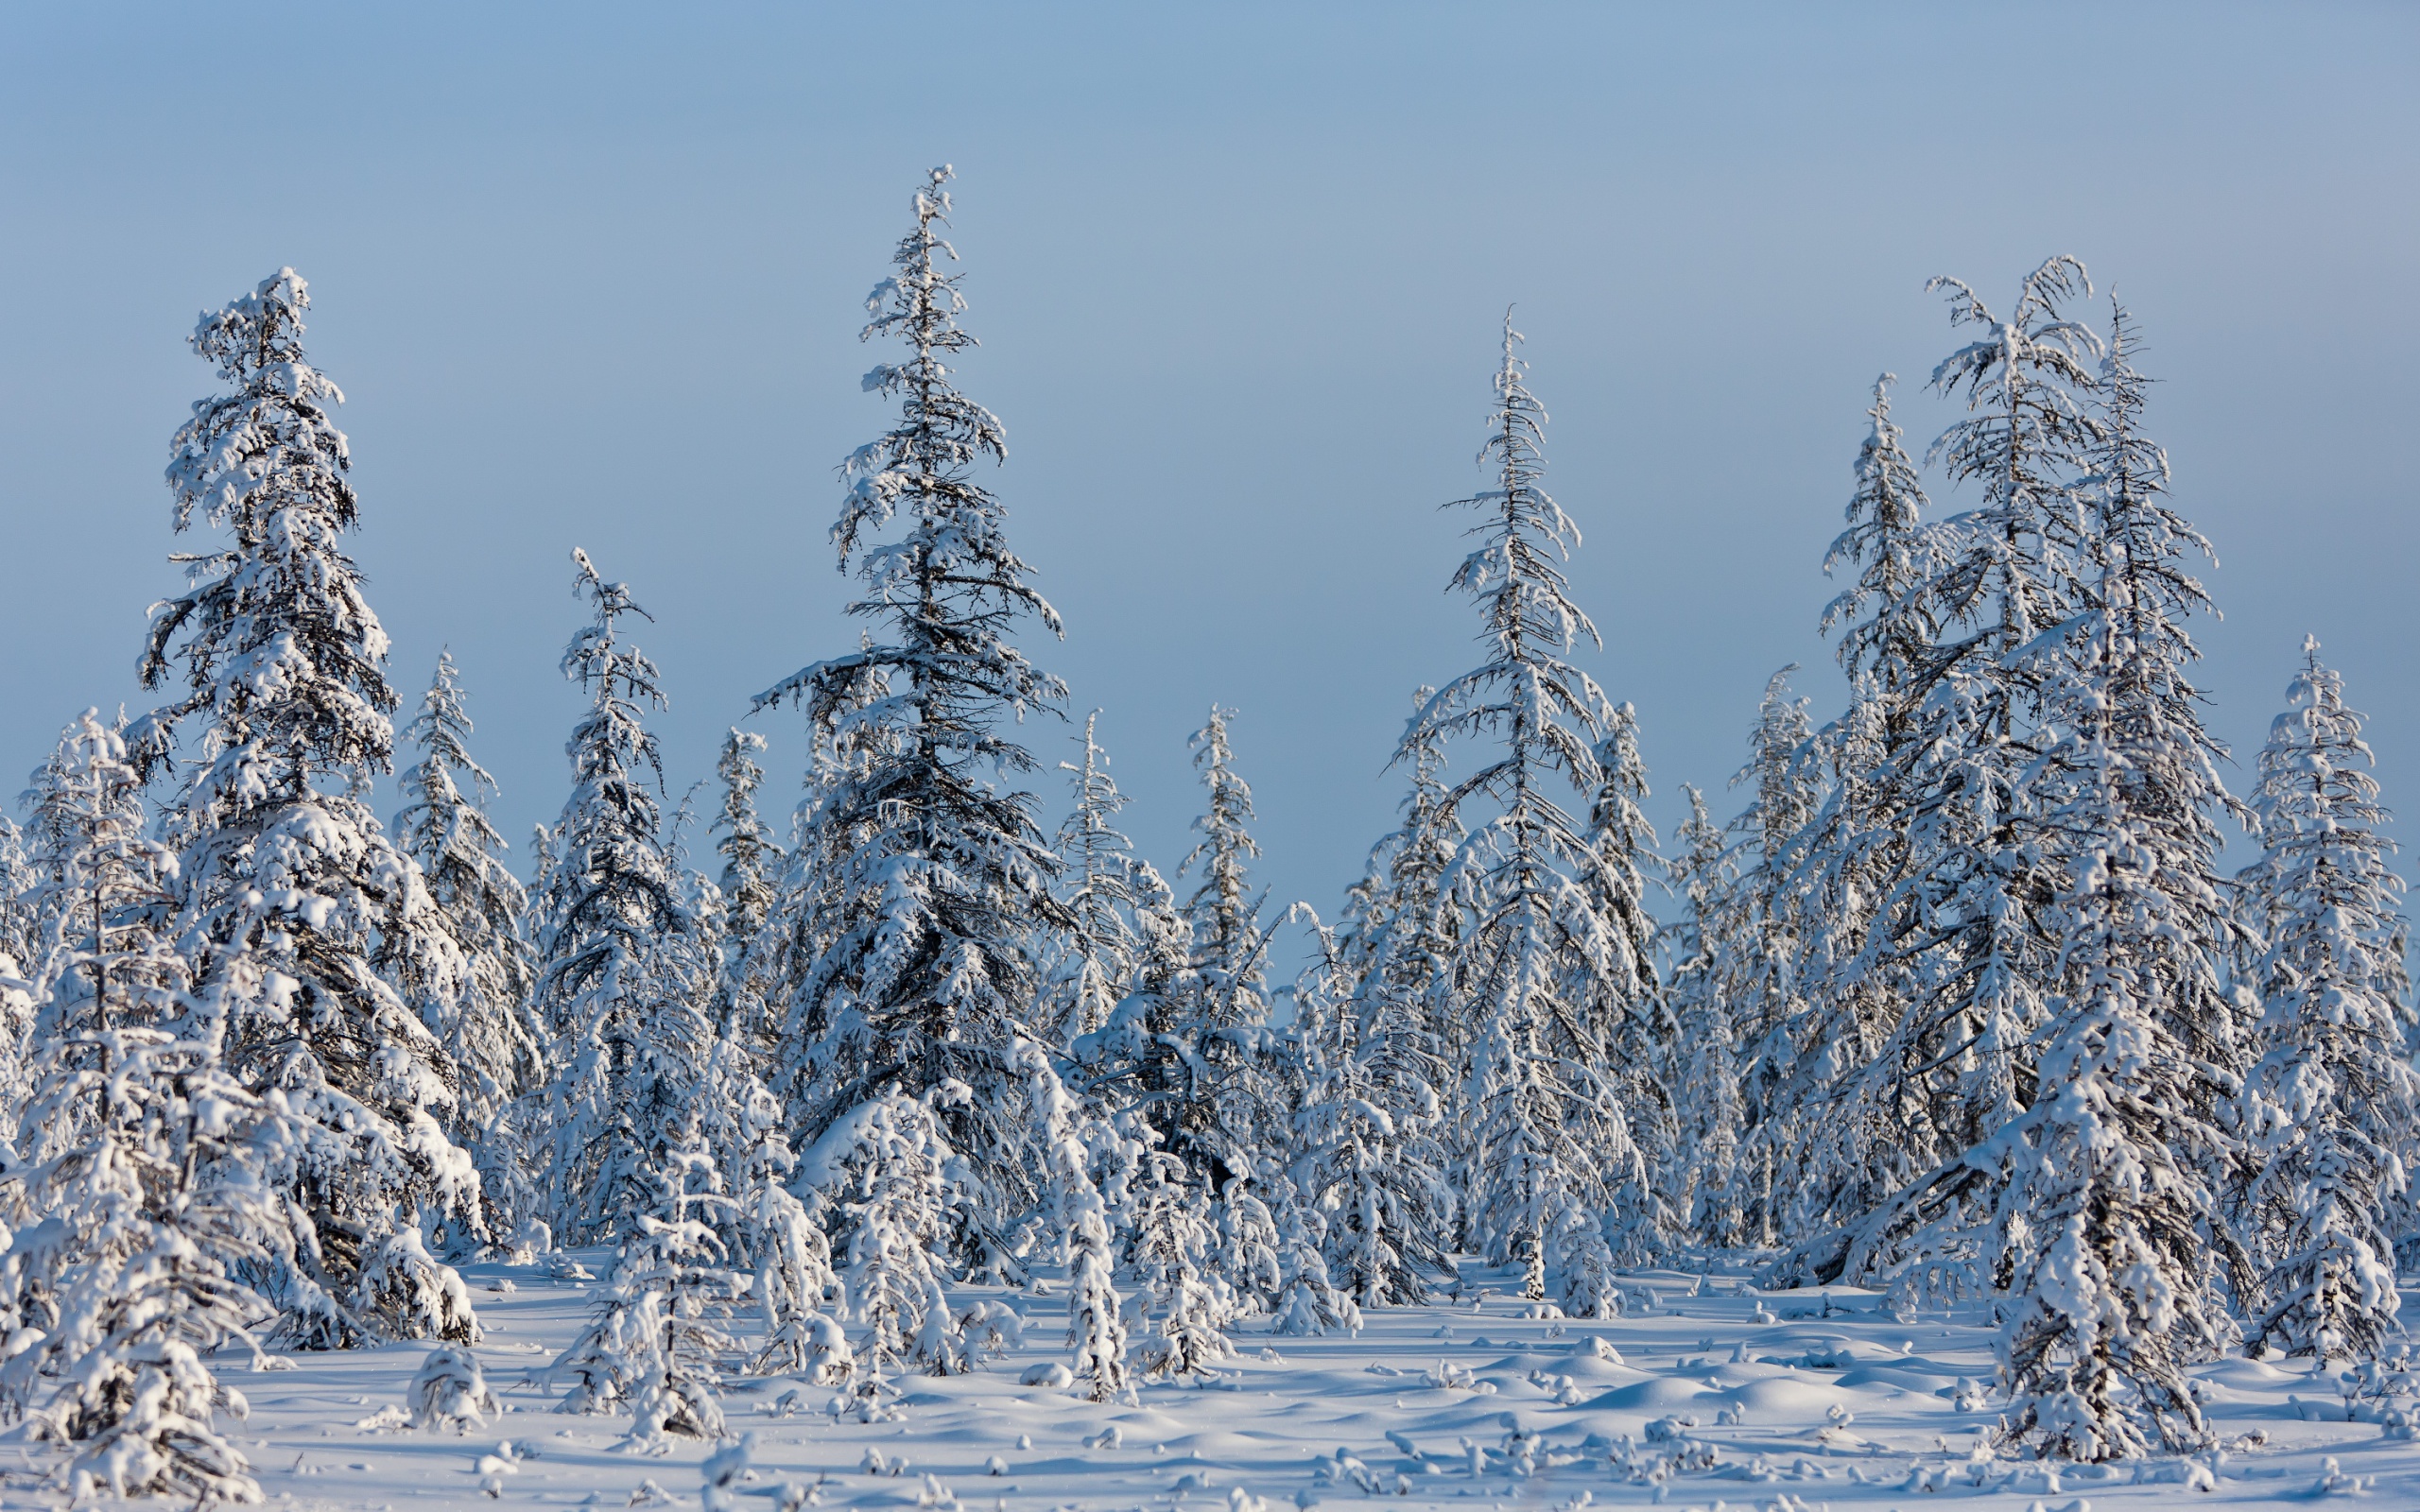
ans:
(283, 708)
(619, 985)
(930, 973)
(1852, 971)
(1711, 1112)
(1549, 1143)
(1970, 917)
(1227, 935)
(496, 1042)
(2331, 1102)
(2104, 1227)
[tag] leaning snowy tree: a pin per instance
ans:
(1967, 920)
(929, 975)
(2330, 1104)
(2104, 1227)
(496, 1044)
(1548, 1137)
(284, 711)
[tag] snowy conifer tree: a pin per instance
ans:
(496, 1044)
(1174, 1246)
(1630, 1018)
(1191, 1042)
(653, 1345)
(1308, 1300)
(1224, 913)
(2331, 1102)
(622, 986)
(1709, 1104)
(1968, 911)
(1548, 1134)
(2104, 1228)
(1852, 970)
(792, 1254)
(104, 892)
(749, 851)
(1887, 618)
(752, 864)
(1096, 1322)
(888, 1165)
(1374, 1158)
(158, 1178)
(285, 710)
(1100, 951)
(1763, 989)
(928, 975)
(1621, 847)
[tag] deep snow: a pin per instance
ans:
(1710, 1394)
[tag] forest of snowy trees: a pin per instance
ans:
(1960, 1005)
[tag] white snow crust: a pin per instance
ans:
(1690, 1399)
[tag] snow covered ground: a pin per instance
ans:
(1711, 1395)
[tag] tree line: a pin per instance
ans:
(1959, 1007)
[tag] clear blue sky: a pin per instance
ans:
(591, 275)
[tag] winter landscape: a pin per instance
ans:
(2000, 1092)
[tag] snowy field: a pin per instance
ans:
(1708, 1395)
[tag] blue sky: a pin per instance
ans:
(591, 275)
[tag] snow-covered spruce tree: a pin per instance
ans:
(1368, 1155)
(749, 855)
(1764, 939)
(1886, 618)
(1633, 1021)
(2011, 572)
(1224, 913)
(751, 865)
(104, 891)
(1173, 1250)
(1364, 1139)
(21, 933)
(1098, 953)
(2105, 1228)
(653, 1345)
(1622, 856)
(284, 709)
(928, 976)
(618, 984)
(776, 1235)
(2331, 1104)
(156, 1177)
(1375, 1138)
(1968, 914)
(1082, 1220)
(888, 1165)
(1096, 1320)
(1713, 1117)
(1852, 971)
(496, 1042)
(1197, 1041)
(1547, 1133)
(1397, 941)
(1308, 1300)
